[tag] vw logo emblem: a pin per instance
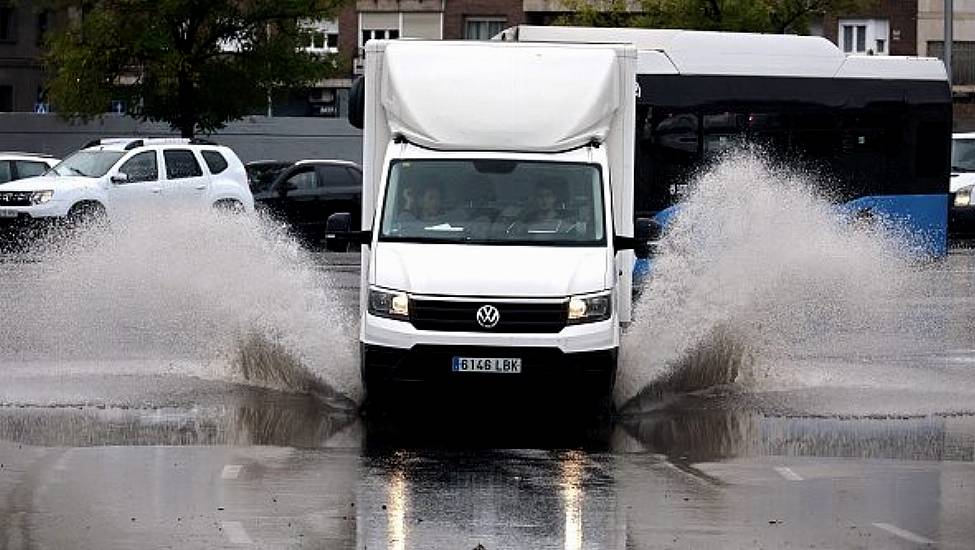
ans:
(488, 316)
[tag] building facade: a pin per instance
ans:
(364, 20)
(23, 27)
(931, 34)
(884, 27)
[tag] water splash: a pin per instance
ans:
(234, 295)
(757, 276)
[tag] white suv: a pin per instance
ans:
(111, 176)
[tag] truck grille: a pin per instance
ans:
(15, 198)
(461, 316)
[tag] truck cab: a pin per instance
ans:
(497, 217)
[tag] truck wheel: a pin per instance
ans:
(377, 394)
(598, 389)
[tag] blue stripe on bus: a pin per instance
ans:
(924, 218)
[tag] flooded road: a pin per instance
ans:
(203, 397)
(144, 452)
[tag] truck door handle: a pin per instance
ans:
(156, 190)
(201, 187)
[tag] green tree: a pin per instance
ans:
(196, 64)
(769, 16)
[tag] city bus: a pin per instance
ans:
(874, 131)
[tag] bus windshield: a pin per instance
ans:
(494, 202)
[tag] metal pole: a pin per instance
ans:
(949, 28)
(270, 110)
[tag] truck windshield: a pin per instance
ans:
(494, 202)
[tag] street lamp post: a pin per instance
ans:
(949, 27)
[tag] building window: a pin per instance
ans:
(7, 24)
(6, 99)
(483, 28)
(379, 26)
(962, 60)
(864, 36)
(42, 26)
(379, 34)
(322, 41)
(322, 36)
(393, 25)
(422, 25)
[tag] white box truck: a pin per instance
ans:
(497, 221)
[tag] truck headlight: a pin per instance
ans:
(41, 197)
(963, 197)
(590, 308)
(389, 303)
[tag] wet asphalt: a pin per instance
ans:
(98, 454)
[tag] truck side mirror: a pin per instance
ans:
(337, 228)
(120, 178)
(357, 103)
(339, 233)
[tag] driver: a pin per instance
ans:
(546, 209)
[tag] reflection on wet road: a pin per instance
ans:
(150, 452)
(273, 470)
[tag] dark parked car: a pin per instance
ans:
(306, 194)
(262, 173)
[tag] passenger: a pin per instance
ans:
(407, 200)
(428, 209)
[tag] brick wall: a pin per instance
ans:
(902, 15)
(456, 11)
(348, 35)
(454, 15)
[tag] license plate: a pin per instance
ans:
(8, 213)
(497, 365)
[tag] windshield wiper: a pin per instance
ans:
(79, 172)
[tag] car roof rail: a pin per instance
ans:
(326, 161)
(125, 142)
(132, 143)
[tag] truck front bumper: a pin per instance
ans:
(594, 371)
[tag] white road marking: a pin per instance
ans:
(236, 533)
(903, 533)
(787, 473)
(231, 471)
